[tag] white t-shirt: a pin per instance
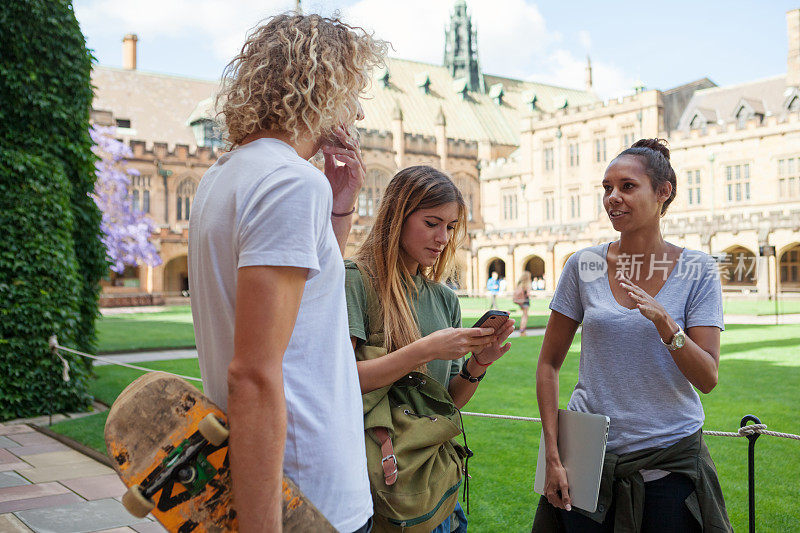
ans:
(262, 204)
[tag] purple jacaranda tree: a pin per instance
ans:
(126, 231)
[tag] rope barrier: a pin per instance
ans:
(743, 431)
(56, 347)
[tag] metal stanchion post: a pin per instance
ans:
(751, 475)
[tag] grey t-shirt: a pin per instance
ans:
(625, 372)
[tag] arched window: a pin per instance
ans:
(790, 267)
(184, 198)
(370, 195)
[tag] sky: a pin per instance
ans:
(662, 44)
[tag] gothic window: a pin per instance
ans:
(372, 191)
(574, 154)
(789, 177)
(628, 136)
(574, 204)
(549, 161)
(693, 186)
(184, 198)
(600, 150)
(549, 206)
(509, 204)
(140, 193)
(737, 182)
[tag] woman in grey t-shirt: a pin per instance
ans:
(634, 297)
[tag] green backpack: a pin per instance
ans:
(415, 466)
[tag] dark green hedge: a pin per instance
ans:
(38, 281)
(45, 100)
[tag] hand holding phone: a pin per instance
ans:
(492, 319)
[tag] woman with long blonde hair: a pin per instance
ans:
(407, 255)
(266, 273)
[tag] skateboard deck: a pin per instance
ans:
(173, 457)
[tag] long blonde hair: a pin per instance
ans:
(524, 280)
(411, 189)
(298, 74)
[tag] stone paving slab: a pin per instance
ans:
(33, 449)
(83, 517)
(40, 503)
(5, 442)
(9, 461)
(15, 429)
(11, 479)
(29, 439)
(116, 530)
(97, 487)
(44, 460)
(151, 527)
(11, 524)
(22, 492)
(64, 472)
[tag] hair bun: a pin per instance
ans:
(659, 145)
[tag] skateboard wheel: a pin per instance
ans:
(136, 503)
(212, 429)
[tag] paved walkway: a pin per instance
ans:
(47, 487)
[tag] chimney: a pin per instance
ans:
(129, 51)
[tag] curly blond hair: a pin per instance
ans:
(301, 74)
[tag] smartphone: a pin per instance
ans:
(492, 319)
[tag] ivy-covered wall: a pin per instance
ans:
(51, 258)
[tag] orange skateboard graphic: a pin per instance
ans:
(169, 445)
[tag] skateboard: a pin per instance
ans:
(169, 445)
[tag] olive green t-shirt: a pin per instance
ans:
(436, 307)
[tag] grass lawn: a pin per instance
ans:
(738, 306)
(759, 374)
(171, 328)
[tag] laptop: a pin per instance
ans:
(582, 447)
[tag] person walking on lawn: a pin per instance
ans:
(266, 272)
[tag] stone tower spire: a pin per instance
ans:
(588, 73)
(461, 48)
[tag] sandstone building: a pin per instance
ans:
(528, 158)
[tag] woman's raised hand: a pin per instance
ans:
(452, 343)
(496, 349)
(647, 305)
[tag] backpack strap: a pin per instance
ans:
(388, 460)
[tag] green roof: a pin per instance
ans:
(470, 115)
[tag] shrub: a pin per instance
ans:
(52, 258)
(45, 101)
(38, 281)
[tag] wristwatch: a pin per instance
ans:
(469, 377)
(678, 340)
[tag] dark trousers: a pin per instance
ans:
(664, 510)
